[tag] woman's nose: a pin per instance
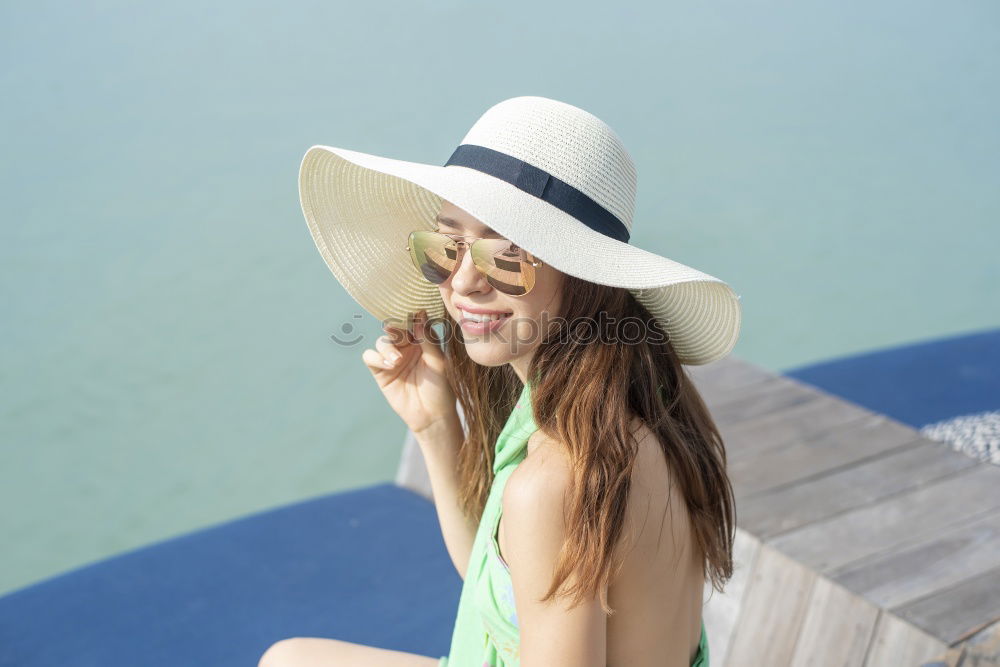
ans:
(467, 278)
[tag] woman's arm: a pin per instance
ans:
(409, 367)
(439, 443)
(552, 634)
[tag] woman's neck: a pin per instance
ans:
(520, 366)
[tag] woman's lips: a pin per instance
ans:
(476, 310)
(476, 327)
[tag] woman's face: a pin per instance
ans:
(515, 339)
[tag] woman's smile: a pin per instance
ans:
(480, 323)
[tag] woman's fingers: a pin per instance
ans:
(382, 367)
(422, 333)
(392, 349)
(388, 349)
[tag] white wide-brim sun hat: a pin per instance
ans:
(550, 177)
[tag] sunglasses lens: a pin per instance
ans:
(434, 255)
(506, 266)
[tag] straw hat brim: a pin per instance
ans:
(360, 208)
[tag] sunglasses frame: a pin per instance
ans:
(468, 246)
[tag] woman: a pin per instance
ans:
(585, 500)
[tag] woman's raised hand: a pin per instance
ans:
(409, 368)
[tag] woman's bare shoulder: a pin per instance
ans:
(547, 458)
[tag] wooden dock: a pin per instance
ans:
(859, 541)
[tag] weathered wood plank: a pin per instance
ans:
(727, 379)
(983, 648)
(760, 400)
(816, 454)
(837, 629)
(721, 611)
(764, 434)
(907, 517)
(944, 560)
(953, 657)
(773, 608)
(900, 644)
(959, 611)
(785, 508)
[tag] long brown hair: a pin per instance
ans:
(611, 382)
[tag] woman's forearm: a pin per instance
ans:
(440, 443)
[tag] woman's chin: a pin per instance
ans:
(488, 353)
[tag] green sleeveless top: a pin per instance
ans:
(486, 630)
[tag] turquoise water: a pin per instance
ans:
(166, 355)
